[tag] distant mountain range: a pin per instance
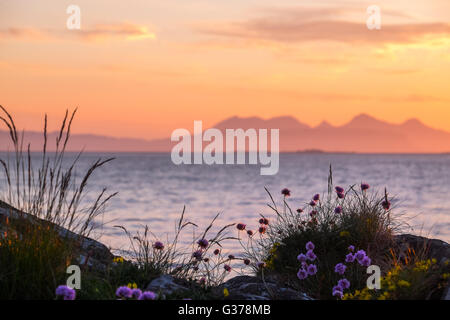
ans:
(363, 134)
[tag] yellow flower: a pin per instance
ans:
(403, 283)
(344, 234)
(226, 293)
(132, 285)
(118, 259)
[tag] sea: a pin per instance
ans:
(153, 192)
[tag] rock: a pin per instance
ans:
(428, 248)
(253, 288)
(90, 252)
(166, 285)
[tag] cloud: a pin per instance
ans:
(99, 32)
(298, 26)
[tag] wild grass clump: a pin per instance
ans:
(200, 265)
(340, 223)
(35, 250)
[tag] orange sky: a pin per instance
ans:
(144, 68)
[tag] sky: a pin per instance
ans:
(143, 68)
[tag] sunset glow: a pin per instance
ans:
(145, 68)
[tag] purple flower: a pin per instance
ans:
(299, 210)
(311, 269)
(264, 221)
(286, 192)
(340, 268)
(250, 233)
(227, 268)
(216, 252)
(338, 210)
(240, 226)
(61, 290)
(337, 292)
(302, 274)
(247, 261)
(123, 292)
(310, 255)
(341, 195)
(386, 204)
(349, 258)
(310, 246)
(312, 203)
(360, 255)
(197, 255)
(147, 295)
(365, 261)
(316, 197)
(351, 248)
(301, 257)
(203, 243)
(158, 245)
(231, 257)
(65, 292)
(136, 293)
(339, 189)
(364, 186)
(344, 283)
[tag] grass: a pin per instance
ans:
(34, 252)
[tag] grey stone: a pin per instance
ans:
(166, 285)
(254, 288)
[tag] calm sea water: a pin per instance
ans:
(153, 191)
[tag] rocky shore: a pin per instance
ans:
(97, 256)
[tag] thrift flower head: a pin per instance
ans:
(227, 268)
(365, 261)
(339, 189)
(262, 229)
(340, 268)
(350, 257)
(136, 293)
(65, 292)
(386, 204)
(341, 195)
(360, 255)
(310, 246)
(301, 257)
(123, 292)
(302, 274)
(338, 210)
(231, 257)
(311, 269)
(148, 295)
(312, 203)
(250, 232)
(158, 245)
(240, 226)
(299, 210)
(286, 192)
(310, 255)
(247, 261)
(264, 221)
(344, 283)
(316, 197)
(337, 292)
(203, 243)
(364, 186)
(216, 252)
(351, 248)
(197, 255)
